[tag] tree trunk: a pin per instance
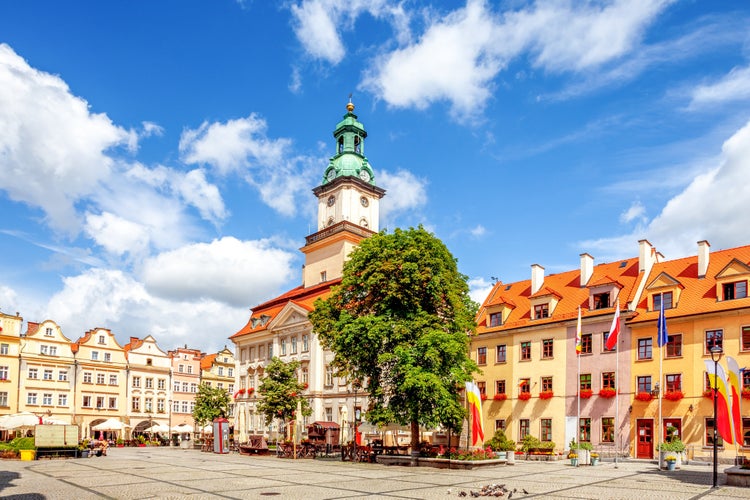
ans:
(414, 442)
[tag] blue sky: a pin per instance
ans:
(157, 158)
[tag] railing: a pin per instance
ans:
(337, 228)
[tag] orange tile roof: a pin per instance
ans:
(207, 361)
(301, 296)
(697, 295)
(565, 286)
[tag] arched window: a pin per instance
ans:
(341, 144)
(356, 145)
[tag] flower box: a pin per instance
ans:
(745, 393)
(708, 393)
(644, 396)
(483, 397)
(500, 397)
(608, 392)
(674, 395)
(546, 395)
(250, 390)
(585, 393)
(524, 396)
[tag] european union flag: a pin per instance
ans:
(661, 326)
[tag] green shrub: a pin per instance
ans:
(676, 445)
(529, 442)
(500, 442)
(574, 445)
(23, 443)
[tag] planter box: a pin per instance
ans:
(28, 455)
(738, 477)
(664, 454)
(439, 463)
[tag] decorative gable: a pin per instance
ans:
(499, 311)
(732, 281)
(664, 285)
(603, 293)
(543, 303)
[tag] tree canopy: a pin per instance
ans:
(280, 391)
(400, 322)
(210, 403)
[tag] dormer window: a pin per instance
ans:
(541, 311)
(601, 301)
(666, 297)
(736, 290)
(496, 319)
(48, 332)
(101, 339)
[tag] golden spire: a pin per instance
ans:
(350, 106)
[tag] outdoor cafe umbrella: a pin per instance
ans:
(16, 420)
(183, 428)
(158, 428)
(111, 424)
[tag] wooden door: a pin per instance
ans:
(644, 439)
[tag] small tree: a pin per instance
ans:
(210, 403)
(280, 391)
(400, 321)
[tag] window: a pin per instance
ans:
(605, 335)
(149, 362)
(44, 349)
(3, 398)
(190, 368)
(585, 381)
(525, 351)
(86, 402)
(481, 355)
(47, 374)
(608, 380)
(53, 350)
(230, 372)
(161, 384)
(261, 352)
(673, 382)
(586, 343)
(329, 414)
(736, 290)
(546, 429)
(160, 405)
(608, 430)
(294, 345)
(323, 276)
(746, 379)
(3, 373)
(193, 387)
(180, 368)
(496, 319)
(62, 375)
(31, 398)
(112, 403)
(62, 400)
(500, 424)
(48, 332)
(585, 430)
(643, 383)
(745, 430)
(546, 383)
(148, 405)
(283, 347)
(674, 346)
(33, 373)
(547, 348)
(185, 387)
(100, 402)
(501, 353)
(305, 376)
(4, 348)
(149, 383)
(745, 338)
(47, 399)
(525, 385)
(659, 297)
(185, 407)
(101, 340)
(523, 428)
(137, 382)
(107, 357)
(176, 406)
(99, 378)
(500, 387)
(329, 375)
(94, 355)
(601, 300)
(710, 434)
(482, 386)
(112, 379)
(541, 311)
(87, 377)
(714, 338)
(305, 343)
(230, 388)
(219, 385)
(644, 348)
(136, 404)
(221, 371)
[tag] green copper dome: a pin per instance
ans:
(350, 159)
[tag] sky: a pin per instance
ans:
(157, 158)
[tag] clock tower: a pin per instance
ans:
(348, 204)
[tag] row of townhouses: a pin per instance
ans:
(94, 378)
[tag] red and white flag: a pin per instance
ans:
(614, 330)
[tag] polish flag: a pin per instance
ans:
(614, 330)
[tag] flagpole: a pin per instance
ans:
(578, 413)
(617, 394)
(659, 436)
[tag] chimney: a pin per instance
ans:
(703, 258)
(645, 255)
(537, 278)
(587, 268)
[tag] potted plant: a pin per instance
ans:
(674, 395)
(83, 448)
(573, 459)
(585, 393)
(608, 392)
(524, 396)
(500, 397)
(583, 450)
(120, 443)
(483, 397)
(644, 396)
(546, 395)
(594, 458)
(501, 444)
(671, 462)
(674, 447)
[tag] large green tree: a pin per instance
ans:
(400, 322)
(210, 403)
(280, 391)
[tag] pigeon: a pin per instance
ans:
(462, 493)
(474, 494)
(525, 492)
(510, 495)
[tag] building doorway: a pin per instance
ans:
(644, 438)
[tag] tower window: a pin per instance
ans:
(323, 276)
(341, 145)
(356, 145)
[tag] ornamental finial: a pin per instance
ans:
(350, 106)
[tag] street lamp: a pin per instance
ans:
(715, 357)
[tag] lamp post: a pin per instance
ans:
(716, 352)
(169, 401)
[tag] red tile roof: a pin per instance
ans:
(207, 361)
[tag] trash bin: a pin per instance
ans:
(28, 455)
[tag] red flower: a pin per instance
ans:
(746, 393)
(251, 390)
(294, 394)
(585, 393)
(644, 396)
(608, 392)
(484, 397)
(241, 391)
(500, 397)
(708, 393)
(305, 386)
(674, 395)
(524, 396)
(546, 395)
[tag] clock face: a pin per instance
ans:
(364, 175)
(331, 174)
(331, 200)
(364, 201)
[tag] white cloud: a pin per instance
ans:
(197, 191)
(479, 289)
(732, 87)
(117, 235)
(227, 270)
(114, 300)
(712, 207)
(51, 147)
(636, 211)
(404, 191)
